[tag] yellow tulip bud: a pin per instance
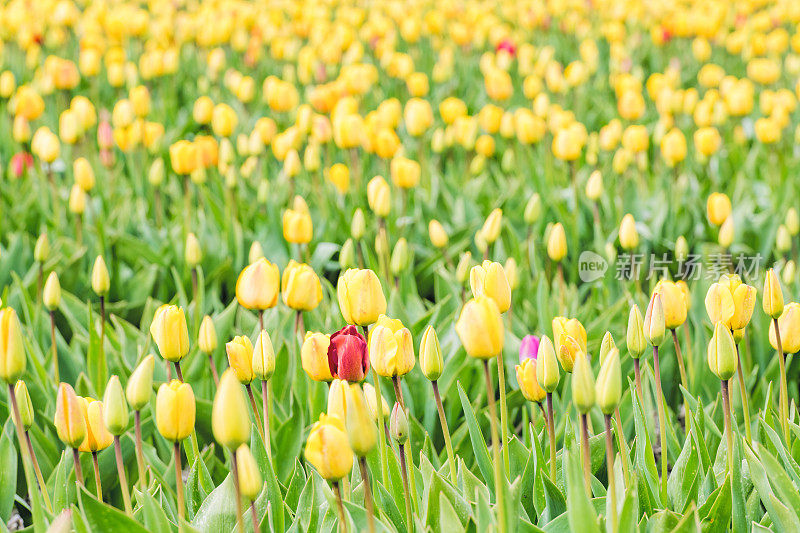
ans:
(240, 358)
(563, 328)
(654, 325)
(140, 384)
(207, 336)
(263, 357)
(77, 200)
(360, 296)
(583, 393)
(681, 248)
(69, 420)
(97, 436)
(719, 304)
(83, 174)
(430, 355)
(192, 253)
(398, 424)
(480, 328)
(115, 408)
(405, 172)
(527, 380)
(492, 226)
(533, 209)
(557, 243)
(256, 252)
(100, 279)
(359, 423)
(339, 176)
(726, 233)
(250, 482)
(12, 349)
(490, 279)
(547, 373)
(608, 389)
(175, 410)
(718, 208)
(24, 404)
(258, 285)
(437, 234)
(51, 296)
(223, 120)
(328, 449)
(594, 186)
(155, 174)
(606, 345)
(42, 248)
(772, 301)
(170, 332)
(230, 415)
(628, 236)
(634, 336)
(314, 356)
(789, 327)
(391, 348)
(722, 355)
(301, 288)
(673, 301)
(792, 221)
(379, 196)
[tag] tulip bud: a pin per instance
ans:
(12, 349)
(628, 236)
(490, 280)
(115, 408)
(347, 355)
(772, 301)
(635, 339)
(654, 325)
(528, 382)
(492, 226)
(207, 337)
(480, 328)
(155, 175)
(263, 357)
(175, 410)
(358, 421)
(379, 196)
(557, 243)
(463, 267)
(83, 174)
(606, 346)
(170, 332)
(258, 285)
(69, 420)
(788, 272)
(360, 296)
(533, 209)
(437, 234)
(24, 404)
(358, 225)
(673, 301)
(681, 249)
(256, 252)
(314, 356)
(192, 253)
(391, 350)
(608, 389)
(328, 450)
(792, 221)
(347, 255)
(726, 233)
(77, 200)
(398, 424)
(51, 296)
(400, 257)
(430, 355)
(100, 279)
(583, 385)
(722, 358)
(594, 186)
(301, 288)
(41, 250)
(140, 384)
(240, 358)
(250, 482)
(372, 403)
(718, 208)
(547, 372)
(230, 415)
(783, 240)
(719, 304)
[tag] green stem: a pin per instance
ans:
(379, 408)
(499, 476)
(662, 421)
(623, 447)
(96, 469)
(745, 401)
(21, 439)
(587, 461)
(784, 393)
(551, 430)
(137, 423)
(76, 461)
(54, 348)
(368, 503)
(123, 480)
(340, 507)
(404, 472)
(179, 485)
(448, 444)
(38, 472)
(259, 426)
(684, 380)
(726, 408)
(237, 491)
(398, 392)
(501, 380)
(610, 467)
(265, 407)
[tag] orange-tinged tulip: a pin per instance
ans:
(314, 356)
(69, 420)
(97, 435)
(240, 358)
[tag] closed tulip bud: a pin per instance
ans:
(594, 187)
(726, 233)
(480, 242)
(77, 200)
(563, 328)
(155, 175)
(250, 481)
(347, 355)
(606, 346)
(360, 296)
(681, 248)
(480, 328)
(722, 358)
(634, 336)
(527, 380)
(512, 273)
(772, 301)
(583, 394)
(263, 357)
(430, 355)
(490, 279)
(437, 234)
(298, 227)
(240, 358)
(608, 389)
(359, 423)
(256, 252)
(301, 289)
(83, 174)
(379, 196)
(398, 424)
(230, 415)
(41, 251)
(192, 253)
(314, 356)
(654, 325)
(347, 255)
(51, 296)
(788, 272)
(719, 304)
(492, 226)
(24, 404)
(223, 120)
(369, 395)
(21, 129)
(358, 225)
(792, 221)
(258, 285)
(463, 267)
(115, 408)
(391, 348)
(405, 172)
(170, 332)
(97, 436)
(783, 241)
(100, 279)
(628, 236)
(547, 373)
(140, 384)
(673, 301)
(69, 420)
(207, 336)
(400, 257)
(557, 243)
(12, 349)
(175, 410)
(328, 448)
(718, 208)
(533, 209)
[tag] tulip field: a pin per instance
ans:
(399, 266)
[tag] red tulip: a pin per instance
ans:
(347, 354)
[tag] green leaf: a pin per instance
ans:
(151, 513)
(581, 514)
(478, 444)
(8, 473)
(102, 517)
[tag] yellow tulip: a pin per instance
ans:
(528, 383)
(789, 327)
(314, 356)
(175, 410)
(673, 301)
(328, 448)
(490, 279)
(170, 332)
(240, 358)
(230, 414)
(297, 224)
(69, 420)
(360, 296)
(258, 285)
(300, 287)
(391, 348)
(480, 328)
(97, 435)
(557, 243)
(379, 196)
